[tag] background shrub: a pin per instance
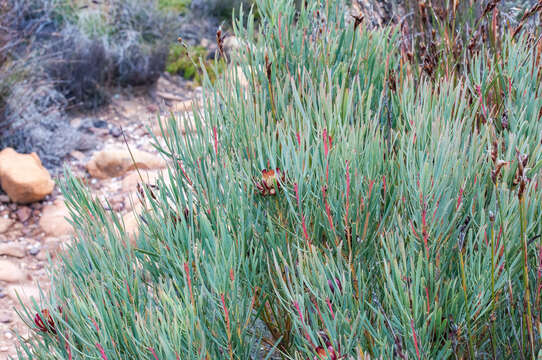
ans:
(220, 8)
(73, 56)
(191, 62)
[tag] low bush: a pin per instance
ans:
(180, 6)
(345, 204)
(220, 8)
(192, 62)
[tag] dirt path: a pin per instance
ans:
(31, 235)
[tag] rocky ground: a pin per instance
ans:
(34, 230)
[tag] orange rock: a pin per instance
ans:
(23, 177)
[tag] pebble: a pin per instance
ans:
(4, 198)
(24, 213)
(36, 205)
(99, 123)
(115, 131)
(12, 249)
(34, 250)
(6, 318)
(5, 224)
(10, 272)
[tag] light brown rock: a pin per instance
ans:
(23, 177)
(130, 181)
(26, 293)
(12, 249)
(116, 162)
(5, 224)
(10, 272)
(131, 222)
(23, 213)
(235, 74)
(51, 247)
(131, 226)
(184, 123)
(54, 220)
(188, 105)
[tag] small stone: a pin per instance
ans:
(36, 205)
(117, 206)
(152, 108)
(130, 181)
(34, 250)
(184, 124)
(25, 292)
(5, 318)
(5, 224)
(12, 249)
(4, 198)
(24, 213)
(23, 177)
(9, 272)
(116, 162)
(4, 349)
(78, 155)
(99, 131)
(131, 222)
(8, 335)
(50, 248)
(87, 143)
(115, 131)
(54, 221)
(99, 123)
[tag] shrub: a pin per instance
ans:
(339, 206)
(179, 6)
(191, 62)
(220, 8)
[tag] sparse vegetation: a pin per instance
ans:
(73, 52)
(179, 6)
(192, 62)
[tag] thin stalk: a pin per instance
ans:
(494, 305)
(527, 296)
(464, 282)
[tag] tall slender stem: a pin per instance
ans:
(494, 305)
(527, 296)
(467, 307)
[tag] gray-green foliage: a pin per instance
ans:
(388, 237)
